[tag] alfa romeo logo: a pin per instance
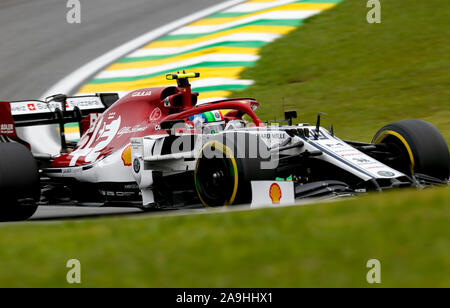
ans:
(136, 165)
(386, 173)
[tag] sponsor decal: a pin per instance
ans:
(335, 145)
(386, 173)
(111, 115)
(275, 193)
(93, 148)
(376, 167)
(126, 156)
(141, 93)
(217, 115)
(130, 130)
(136, 144)
(273, 138)
(6, 129)
(83, 103)
(131, 186)
(343, 150)
(71, 170)
(136, 165)
(352, 154)
(156, 114)
(362, 160)
(117, 193)
(276, 135)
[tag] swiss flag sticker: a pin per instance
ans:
(31, 107)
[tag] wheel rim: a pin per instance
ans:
(215, 181)
(216, 178)
(402, 161)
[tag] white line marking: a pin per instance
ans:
(211, 99)
(177, 213)
(68, 84)
(299, 14)
(259, 6)
(209, 82)
(142, 71)
(43, 139)
(236, 37)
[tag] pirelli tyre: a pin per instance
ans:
(224, 171)
(422, 148)
(19, 182)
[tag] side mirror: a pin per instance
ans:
(289, 115)
(59, 98)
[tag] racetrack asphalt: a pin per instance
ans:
(39, 47)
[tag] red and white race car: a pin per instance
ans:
(157, 148)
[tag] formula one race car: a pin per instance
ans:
(157, 148)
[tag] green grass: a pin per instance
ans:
(363, 75)
(324, 245)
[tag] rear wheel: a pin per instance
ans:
(421, 147)
(19, 182)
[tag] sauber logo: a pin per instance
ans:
(7, 129)
(275, 193)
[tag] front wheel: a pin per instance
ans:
(421, 148)
(228, 164)
(219, 179)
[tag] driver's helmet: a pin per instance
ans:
(210, 122)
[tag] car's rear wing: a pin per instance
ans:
(57, 109)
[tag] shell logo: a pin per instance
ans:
(126, 156)
(275, 193)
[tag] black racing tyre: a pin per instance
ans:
(226, 180)
(19, 182)
(423, 148)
